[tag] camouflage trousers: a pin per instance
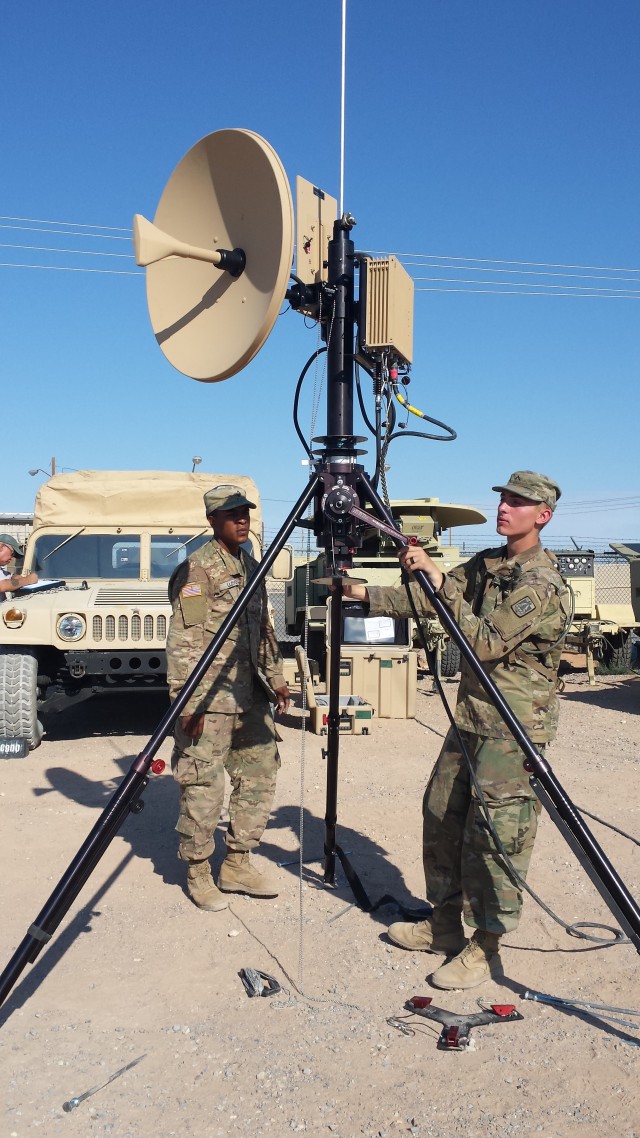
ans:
(244, 745)
(461, 864)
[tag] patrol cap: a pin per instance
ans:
(7, 539)
(226, 497)
(536, 487)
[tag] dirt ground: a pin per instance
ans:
(136, 970)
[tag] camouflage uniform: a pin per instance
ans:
(239, 733)
(512, 612)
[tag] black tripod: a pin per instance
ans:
(337, 485)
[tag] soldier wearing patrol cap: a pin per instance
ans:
(10, 582)
(514, 608)
(227, 723)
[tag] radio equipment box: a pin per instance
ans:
(355, 713)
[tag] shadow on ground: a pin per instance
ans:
(138, 713)
(150, 834)
(622, 696)
(381, 882)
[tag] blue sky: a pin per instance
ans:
(503, 131)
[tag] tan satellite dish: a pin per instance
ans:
(218, 254)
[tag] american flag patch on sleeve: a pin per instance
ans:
(192, 591)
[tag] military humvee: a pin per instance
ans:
(602, 631)
(104, 544)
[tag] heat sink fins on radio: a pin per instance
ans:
(387, 312)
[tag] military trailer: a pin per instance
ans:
(104, 544)
(600, 630)
(376, 562)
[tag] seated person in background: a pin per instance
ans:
(9, 582)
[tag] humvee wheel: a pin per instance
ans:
(449, 659)
(19, 698)
(617, 649)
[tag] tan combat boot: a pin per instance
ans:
(441, 933)
(238, 875)
(478, 962)
(201, 888)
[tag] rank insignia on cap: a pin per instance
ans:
(191, 591)
(523, 607)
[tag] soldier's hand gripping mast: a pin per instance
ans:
(337, 485)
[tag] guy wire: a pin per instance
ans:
(300, 985)
(303, 687)
(303, 739)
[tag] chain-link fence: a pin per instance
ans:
(17, 525)
(612, 572)
(613, 580)
(277, 592)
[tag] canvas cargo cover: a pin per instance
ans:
(133, 498)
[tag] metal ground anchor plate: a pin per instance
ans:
(456, 1029)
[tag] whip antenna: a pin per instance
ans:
(342, 102)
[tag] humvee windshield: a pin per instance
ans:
(111, 556)
(168, 551)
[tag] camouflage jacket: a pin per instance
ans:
(202, 591)
(512, 611)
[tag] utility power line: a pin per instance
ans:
(568, 290)
(605, 286)
(76, 224)
(71, 269)
(495, 261)
(56, 249)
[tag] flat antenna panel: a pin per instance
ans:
(229, 192)
(316, 212)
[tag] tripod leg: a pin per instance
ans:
(333, 738)
(331, 848)
(543, 781)
(129, 791)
